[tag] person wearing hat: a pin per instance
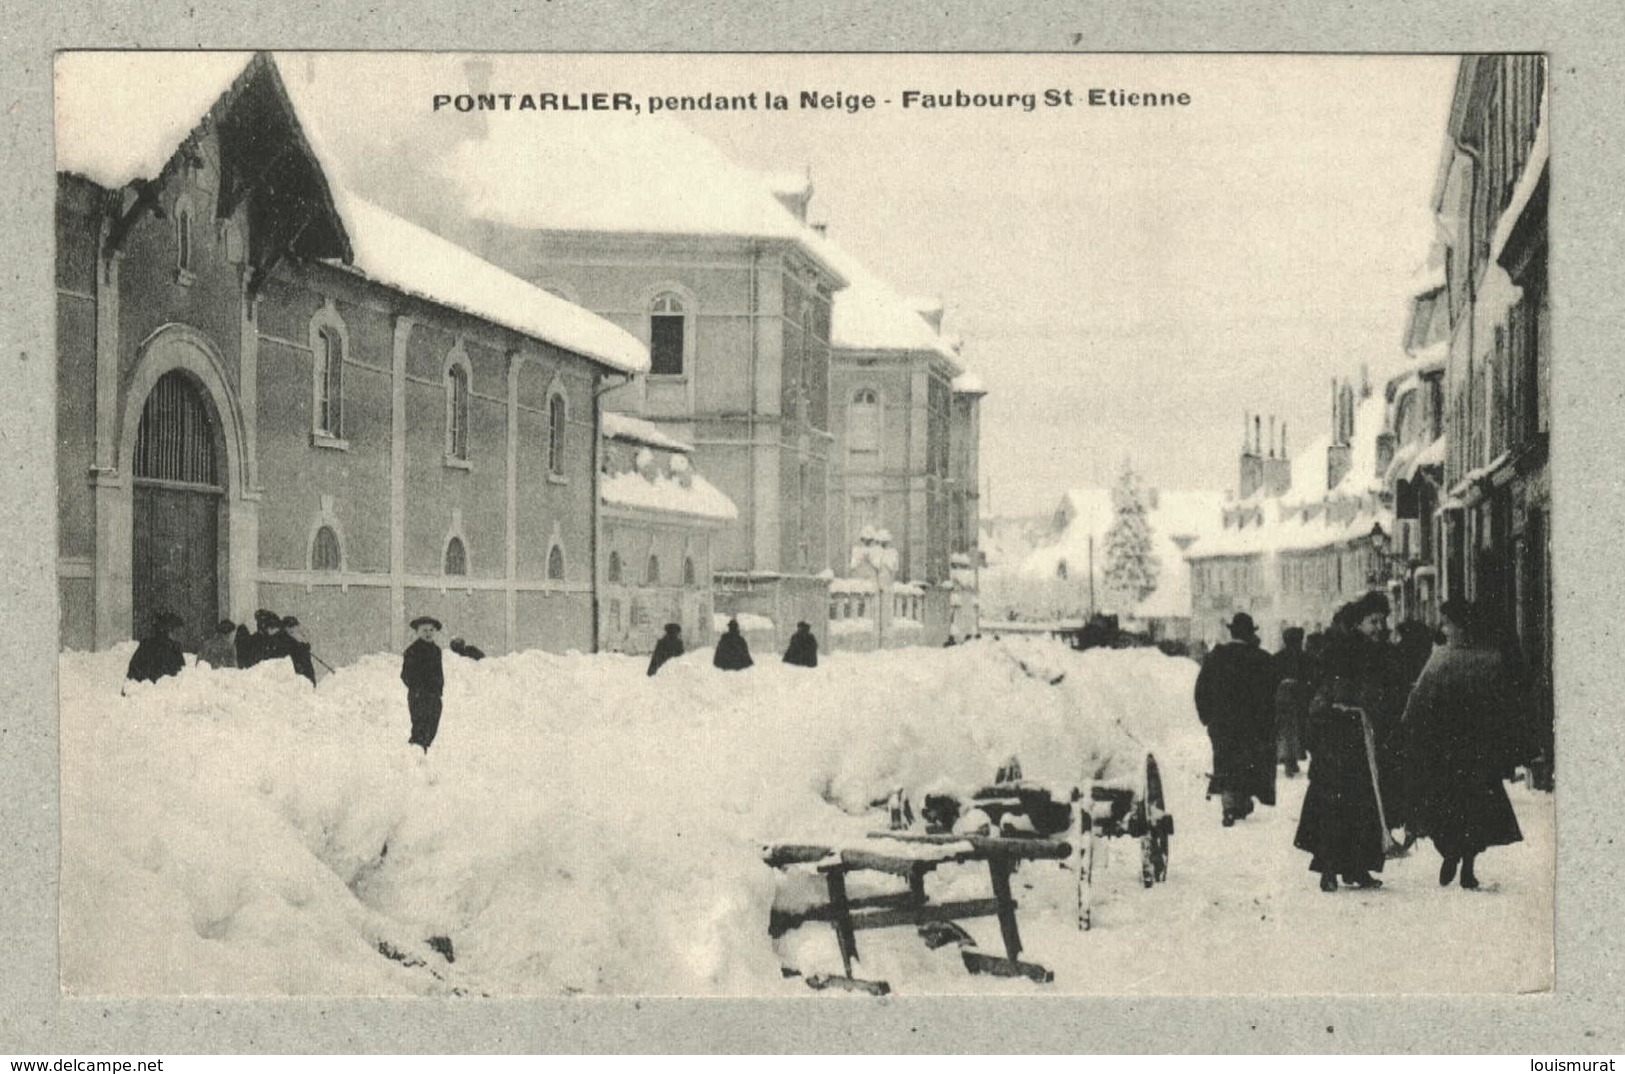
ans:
(1235, 700)
(219, 650)
(670, 646)
(1464, 736)
(425, 680)
(159, 653)
(733, 651)
(1295, 684)
(1344, 825)
(297, 648)
(258, 646)
(803, 648)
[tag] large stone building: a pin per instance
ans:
(905, 420)
(272, 392)
(651, 227)
(1491, 197)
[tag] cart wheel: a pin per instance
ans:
(1152, 814)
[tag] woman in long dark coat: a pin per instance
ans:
(1342, 826)
(733, 651)
(1463, 737)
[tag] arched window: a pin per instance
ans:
(456, 557)
(556, 418)
(324, 551)
(863, 423)
(666, 335)
(615, 567)
(555, 563)
(688, 570)
(457, 410)
(328, 408)
(654, 571)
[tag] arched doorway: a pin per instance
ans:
(178, 491)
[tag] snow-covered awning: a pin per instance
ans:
(637, 430)
(698, 498)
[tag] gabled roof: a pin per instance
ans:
(122, 116)
(870, 316)
(164, 98)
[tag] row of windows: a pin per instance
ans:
(328, 402)
(856, 606)
(327, 555)
(651, 573)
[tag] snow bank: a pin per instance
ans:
(579, 827)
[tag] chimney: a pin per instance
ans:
(1385, 453)
(1272, 436)
(1338, 460)
(1258, 429)
(1283, 440)
(1277, 472)
(1251, 475)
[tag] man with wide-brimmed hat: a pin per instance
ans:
(1235, 700)
(159, 653)
(425, 680)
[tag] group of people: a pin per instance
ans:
(1400, 734)
(733, 651)
(231, 645)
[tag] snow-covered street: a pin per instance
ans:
(581, 828)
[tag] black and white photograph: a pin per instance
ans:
(794, 525)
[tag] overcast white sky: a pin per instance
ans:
(1129, 281)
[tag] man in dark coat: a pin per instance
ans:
(1463, 738)
(733, 652)
(1235, 700)
(803, 648)
(667, 648)
(425, 681)
(255, 647)
(1295, 686)
(159, 653)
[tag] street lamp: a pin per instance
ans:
(1388, 565)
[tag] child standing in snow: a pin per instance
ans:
(425, 681)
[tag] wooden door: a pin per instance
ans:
(176, 558)
(176, 538)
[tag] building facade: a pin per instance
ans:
(1491, 198)
(272, 393)
(660, 518)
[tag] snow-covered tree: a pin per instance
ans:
(1131, 566)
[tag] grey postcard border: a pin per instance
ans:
(1584, 39)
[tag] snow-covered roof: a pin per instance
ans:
(158, 99)
(969, 383)
(637, 430)
(399, 254)
(120, 116)
(870, 315)
(796, 184)
(615, 173)
(662, 492)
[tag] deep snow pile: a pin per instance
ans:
(578, 827)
